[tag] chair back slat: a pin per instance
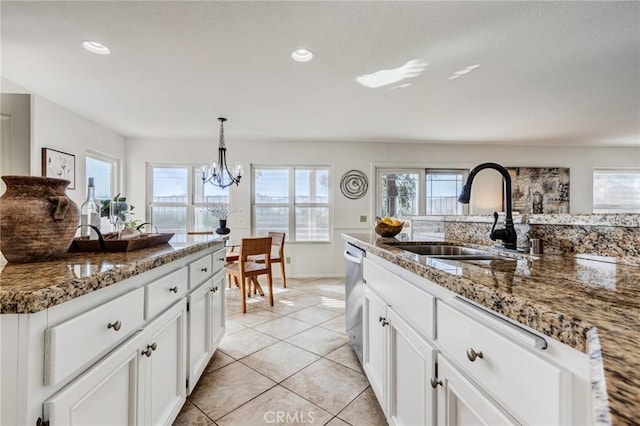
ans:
(277, 238)
(255, 246)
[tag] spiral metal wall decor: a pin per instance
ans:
(354, 184)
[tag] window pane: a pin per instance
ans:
(101, 172)
(312, 186)
(208, 193)
(169, 219)
(204, 221)
(170, 185)
(616, 191)
(442, 191)
(275, 219)
(399, 194)
(272, 186)
(312, 224)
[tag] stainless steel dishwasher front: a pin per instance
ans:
(353, 296)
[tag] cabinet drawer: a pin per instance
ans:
(526, 385)
(165, 291)
(414, 305)
(73, 343)
(200, 270)
(219, 260)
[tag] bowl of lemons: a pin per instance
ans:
(388, 227)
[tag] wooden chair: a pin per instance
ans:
(246, 271)
(277, 240)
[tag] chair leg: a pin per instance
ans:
(270, 282)
(244, 298)
(284, 276)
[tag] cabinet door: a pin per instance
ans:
(218, 313)
(199, 324)
(163, 360)
(461, 403)
(106, 394)
(374, 354)
(411, 399)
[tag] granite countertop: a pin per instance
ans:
(577, 300)
(32, 287)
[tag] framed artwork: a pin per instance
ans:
(60, 165)
(540, 190)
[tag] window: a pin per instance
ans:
(294, 200)
(442, 190)
(178, 201)
(105, 172)
(409, 192)
(616, 191)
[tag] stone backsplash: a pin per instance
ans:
(615, 236)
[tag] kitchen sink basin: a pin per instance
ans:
(442, 251)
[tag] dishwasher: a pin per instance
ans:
(354, 296)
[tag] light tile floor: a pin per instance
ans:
(286, 364)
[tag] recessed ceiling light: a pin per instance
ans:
(96, 47)
(302, 55)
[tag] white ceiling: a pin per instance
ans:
(550, 72)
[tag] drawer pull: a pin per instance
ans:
(472, 354)
(384, 321)
(214, 289)
(435, 382)
(174, 289)
(115, 325)
(222, 259)
(204, 269)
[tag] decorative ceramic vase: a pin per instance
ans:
(223, 230)
(37, 219)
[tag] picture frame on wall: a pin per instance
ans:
(59, 165)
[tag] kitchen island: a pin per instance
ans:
(583, 303)
(119, 336)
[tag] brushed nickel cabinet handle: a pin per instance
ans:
(473, 354)
(115, 325)
(435, 382)
(174, 289)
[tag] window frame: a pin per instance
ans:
(191, 203)
(115, 164)
(291, 236)
(613, 208)
(421, 190)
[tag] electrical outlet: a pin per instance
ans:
(363, 219)
(288, 259)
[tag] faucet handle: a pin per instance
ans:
(493, 228)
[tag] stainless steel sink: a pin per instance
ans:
(442, 251)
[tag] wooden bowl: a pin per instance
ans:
(388, 231)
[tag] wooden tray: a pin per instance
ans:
(105, 244)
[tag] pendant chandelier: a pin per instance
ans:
(218, 174)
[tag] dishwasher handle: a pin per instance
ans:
(352, 258)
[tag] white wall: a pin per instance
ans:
(53, 126)
(325, 259)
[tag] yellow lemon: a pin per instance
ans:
(396, 222)
(387, 220)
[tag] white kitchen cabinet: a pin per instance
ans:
(460, 402)
(374, 344)
(114, 356)
(206, 325)
(141, 382)
(162, 360)
(399, 364)
(106, 394)
(489, 370)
